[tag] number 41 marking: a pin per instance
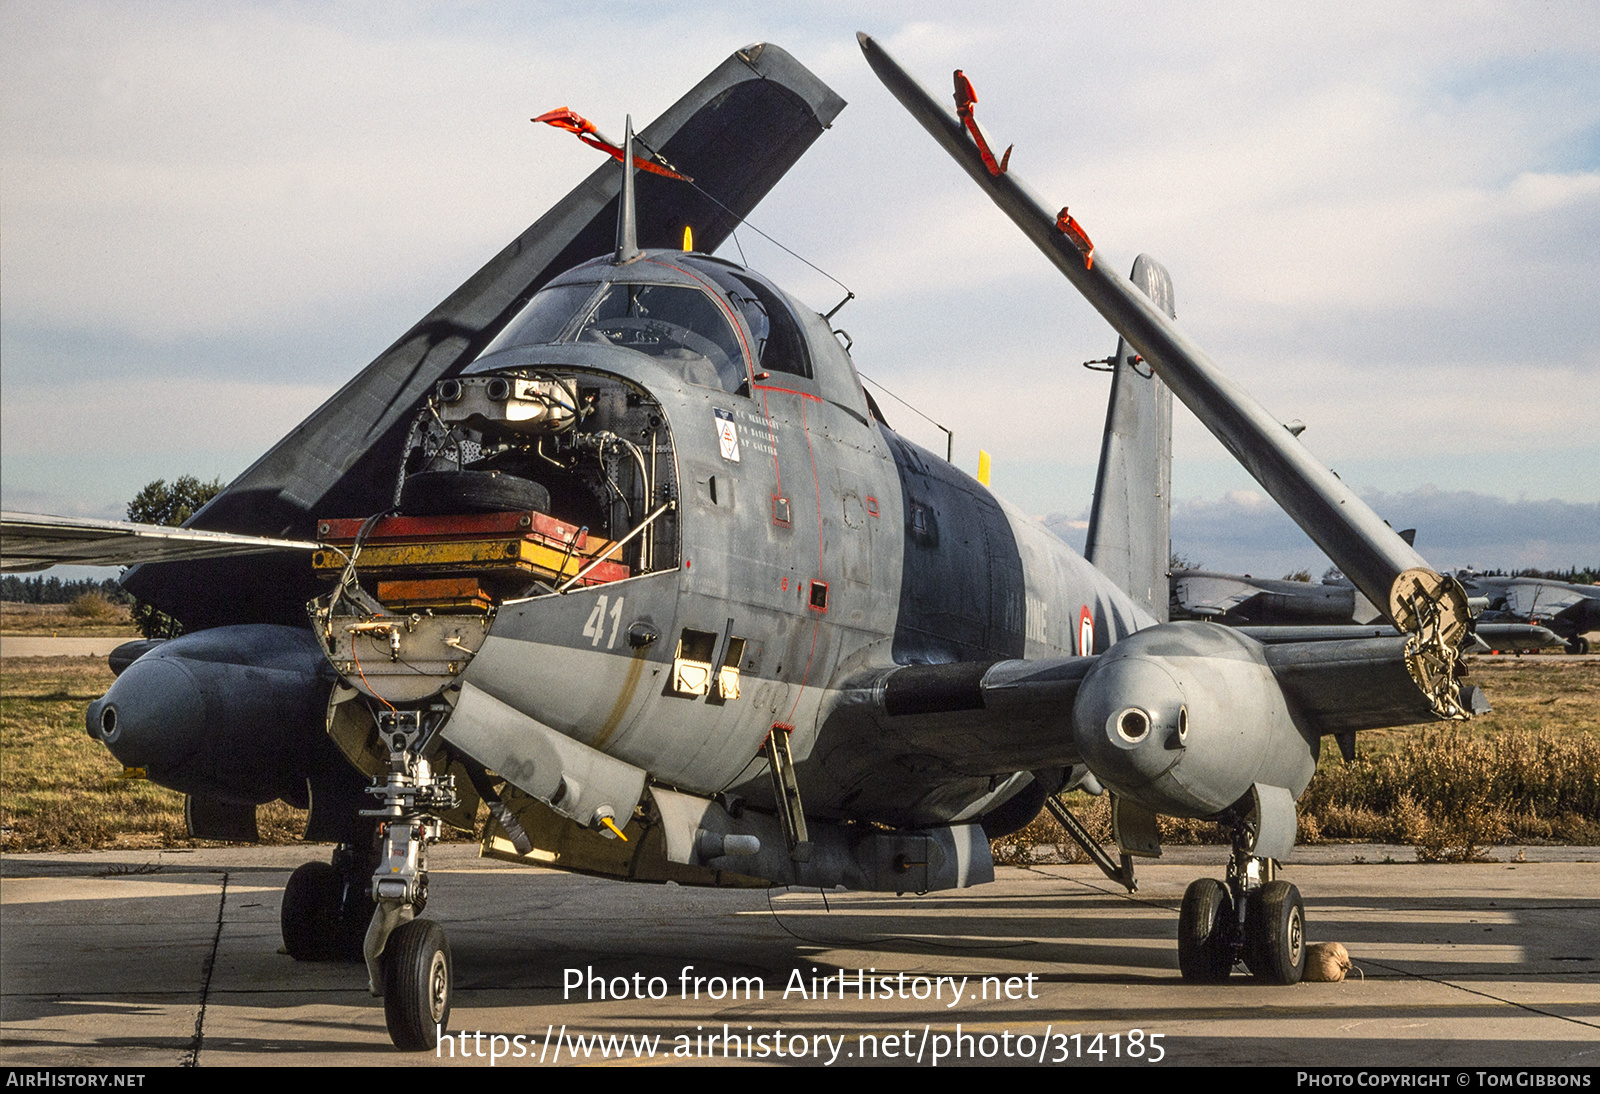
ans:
(595, 628)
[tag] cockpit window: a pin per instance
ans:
(779, 346)
(544, 318)
(678, 326)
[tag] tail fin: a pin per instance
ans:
(1130, 525)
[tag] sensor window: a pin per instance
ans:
(1132, 725)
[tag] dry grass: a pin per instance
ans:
(1528, 772)
(61, 790)
(91, 608)
(91, 616)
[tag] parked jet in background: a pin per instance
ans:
(1240, 599)
(1297, 611)
(1569, 611)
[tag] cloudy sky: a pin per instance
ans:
(1384, 220)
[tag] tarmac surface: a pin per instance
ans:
(136, 959)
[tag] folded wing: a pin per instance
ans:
(29, 541)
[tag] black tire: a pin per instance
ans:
(320, 922)
(310, 911)
(1275, 934)
(1205, 924)
(441, 493)
(416, 984)
(1578, 644)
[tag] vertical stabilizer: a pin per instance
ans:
(1130, 525)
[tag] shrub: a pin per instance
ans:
(95, 608)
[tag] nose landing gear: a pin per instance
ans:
(408, 959)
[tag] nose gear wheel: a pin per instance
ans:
(416, 984)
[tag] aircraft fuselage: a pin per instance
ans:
(831, 546)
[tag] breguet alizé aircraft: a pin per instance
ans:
(614, 543)
(1276, 611)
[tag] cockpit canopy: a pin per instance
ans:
(679, 309)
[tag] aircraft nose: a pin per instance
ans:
(152, 715)
(1130, 722)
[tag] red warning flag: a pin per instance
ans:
(965, 98)
(1080, 239)
(584, 129)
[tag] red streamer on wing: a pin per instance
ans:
(565, 118)
(1080, 239)
(965, 98)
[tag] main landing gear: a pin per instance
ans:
(1253, 917)
(365, 906)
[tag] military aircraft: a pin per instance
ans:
(1568, 611)
(1243, 599)
(614, 544)
(1298, 611)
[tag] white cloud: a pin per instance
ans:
(156, 414)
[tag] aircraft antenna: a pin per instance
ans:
(949, 435)
(741, 220)
(627, 217)
(772, 241)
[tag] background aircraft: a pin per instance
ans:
(642, 723)
(1283, 611)
(1569, 611)
(1243, 599)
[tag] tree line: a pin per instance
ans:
(52, 590)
